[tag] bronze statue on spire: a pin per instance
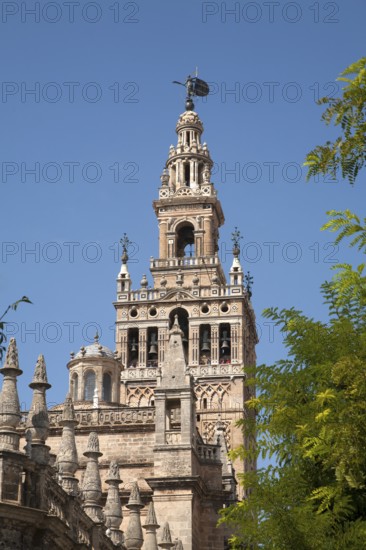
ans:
(195, 87)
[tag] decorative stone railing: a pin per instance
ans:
(173, 438)
(208, 453)
(118, 416)
(185, 261)
(224, 369)
(200, 292)
(134, 373)
(205, 190)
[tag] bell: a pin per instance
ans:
(153, 349)
(205, 346)
(225, 343)
(133, 345)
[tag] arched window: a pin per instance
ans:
(75, 387)
(89, 385)
(185, 240)
(107, 387)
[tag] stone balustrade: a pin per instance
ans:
(224, 369)
(201, 292)
(110, 416)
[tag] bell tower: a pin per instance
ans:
(188, 211)
(189, 287)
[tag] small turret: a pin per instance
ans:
(113, 509)
(67, 458)
(9, 400)
(134, 539)
(124, 281)
(236, 271)
(151, 526)
(92, 486)
(166, 538)
(38, 422)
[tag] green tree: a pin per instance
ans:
(13, 306)
(310, 420)
(310, 410)
(348, 152)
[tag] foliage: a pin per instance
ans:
(348, 151)
(310, 420)
(2, 322)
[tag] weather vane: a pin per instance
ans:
(195, 87)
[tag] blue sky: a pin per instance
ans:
(96, 132)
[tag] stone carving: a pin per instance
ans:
(93, 442)
(134, 538)
(92, 486)
(166, 538)
(140, 396)
(151, 526)
(113, 472)
(215, 394)
(11, 359)
(37, 422)
(113, 509)
(40, 374)
(173, 438)
(9, 400)
(209, 431)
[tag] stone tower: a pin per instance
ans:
(188, 284)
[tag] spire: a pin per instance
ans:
(236, 271)
(113, 509)
(166, 538)
(124, 279)
(175, 367)
(92, 486)
(67, 458)
(9, 400)
(134, 538)
(176, 328)
(37, 422)
(151, 526)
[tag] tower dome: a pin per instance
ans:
(94, 374)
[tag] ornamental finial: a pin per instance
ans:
(236, 238)
(125, 242)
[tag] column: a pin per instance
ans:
(163, 245)
(123, 337)
(142, 347)
(234, 330)
(162, 339)
(194, 351)
(215, 345)
(208, 248)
